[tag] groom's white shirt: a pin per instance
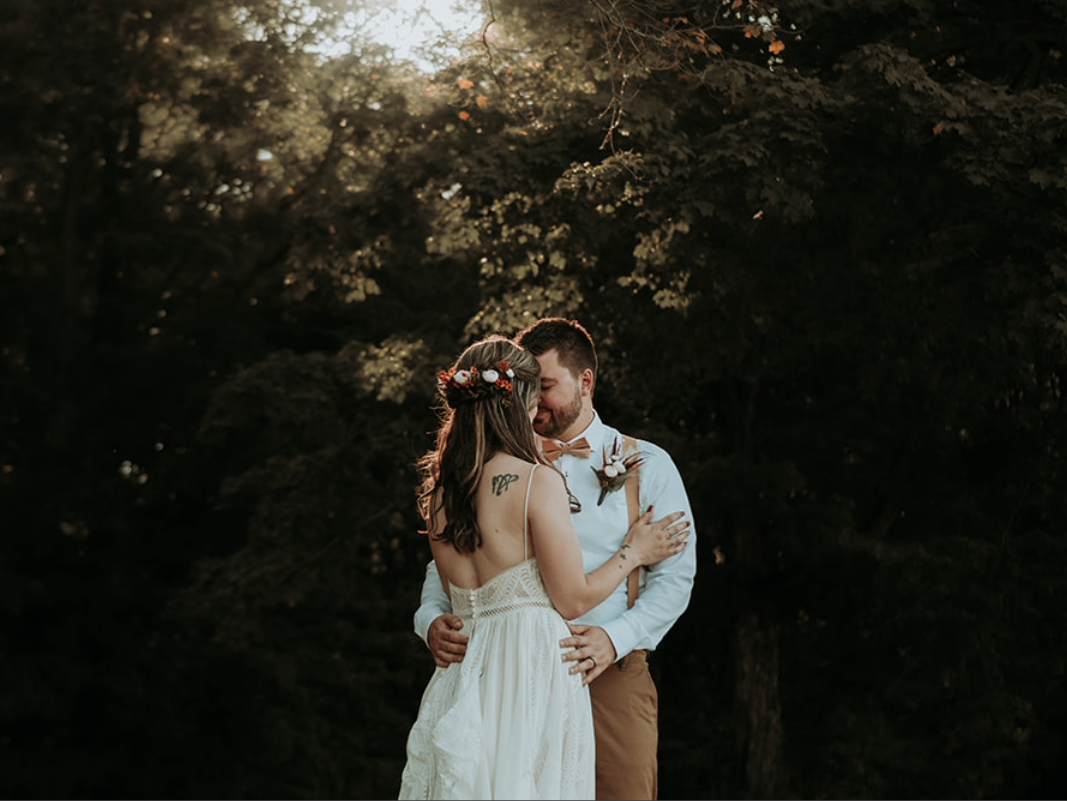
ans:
(666, 586)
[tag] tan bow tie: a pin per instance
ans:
(580, 448)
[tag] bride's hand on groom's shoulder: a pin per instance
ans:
(654, 541)
(445, 641)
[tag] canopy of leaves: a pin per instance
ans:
(820, 245)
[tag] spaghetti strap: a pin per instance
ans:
(526, 518)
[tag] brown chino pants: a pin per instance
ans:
(625, 712)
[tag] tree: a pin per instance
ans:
(829, 218)
(152, 174)
(820, 249)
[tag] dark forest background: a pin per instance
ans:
(822, 246)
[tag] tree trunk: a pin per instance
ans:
(757, 707)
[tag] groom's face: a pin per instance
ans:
(560, 405)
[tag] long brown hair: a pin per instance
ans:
(474, 427)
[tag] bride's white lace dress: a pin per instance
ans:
(508, 721)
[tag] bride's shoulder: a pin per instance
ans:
(506, 461)
(505, 471)
(547, 478)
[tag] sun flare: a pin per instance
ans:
(412, 28)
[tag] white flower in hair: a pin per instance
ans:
(490, 376)
(462, 377)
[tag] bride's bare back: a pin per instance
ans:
(500, 501)
(499, 504)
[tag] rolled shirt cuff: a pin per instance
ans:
(622, 635)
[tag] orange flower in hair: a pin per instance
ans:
(460, 386)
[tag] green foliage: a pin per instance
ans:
(822, 255)
(856, 245)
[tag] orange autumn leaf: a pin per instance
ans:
(463, 115)
(482, 101)
(939, 128)
(737, 4)
(777, 46)
(464, 83)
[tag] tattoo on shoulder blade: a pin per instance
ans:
(503, 481)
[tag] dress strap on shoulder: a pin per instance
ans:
(526, 518)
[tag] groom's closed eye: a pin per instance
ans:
(502, 481)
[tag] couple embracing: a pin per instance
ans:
(542, 688)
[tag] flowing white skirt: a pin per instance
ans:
(508, 721)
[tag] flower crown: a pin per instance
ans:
(474, 384)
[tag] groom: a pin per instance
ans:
(611, 643)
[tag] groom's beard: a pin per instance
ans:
(558, 420)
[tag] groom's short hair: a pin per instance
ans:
(568, 338)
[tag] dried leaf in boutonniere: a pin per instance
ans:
(616, 470)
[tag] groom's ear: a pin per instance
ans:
(586, 381)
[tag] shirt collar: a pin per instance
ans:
(595, 434)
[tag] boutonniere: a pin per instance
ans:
(617, 468)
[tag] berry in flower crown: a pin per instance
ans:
(460, 386)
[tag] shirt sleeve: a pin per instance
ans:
(668, 584)
(435, 602)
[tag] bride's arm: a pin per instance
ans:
(559, 556)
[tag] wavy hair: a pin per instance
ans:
(473, 429)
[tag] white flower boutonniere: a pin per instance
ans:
(617, 468)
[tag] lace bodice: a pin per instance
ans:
(516, 587)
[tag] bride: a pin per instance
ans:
(509, 721)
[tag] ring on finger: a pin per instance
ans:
(592, 659)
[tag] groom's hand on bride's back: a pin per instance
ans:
(445, 641)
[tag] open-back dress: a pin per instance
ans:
(508, 721)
